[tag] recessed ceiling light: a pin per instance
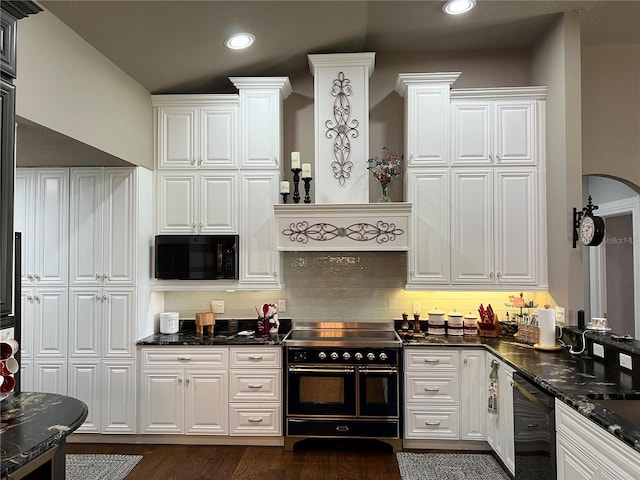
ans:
(239, 41)
(456, 7)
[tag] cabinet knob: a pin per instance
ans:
(188, 379)
(193, 160)
(498, 156)
(466, 360)
(98, 276)
(97, 297)
(193, 227)
(200, 226)
(37, 276)
(105, 298)
(411, 156)
(179, 379)
(498, 274)
(29, 298)
(37, 298)
(29, 276)
(200, 161)
(490, 274)
(491, 156)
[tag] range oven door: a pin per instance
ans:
(321, 390)
(378, 389)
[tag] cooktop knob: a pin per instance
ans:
(346, 355)
(383, 356)
(334, 355)
(371, 356)
(358, 356)
(322, 355)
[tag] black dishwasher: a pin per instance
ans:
(533, 431)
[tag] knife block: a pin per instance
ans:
(205, 319)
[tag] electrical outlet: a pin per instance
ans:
(217, 306)
(282, 305)
(416, 307)
(598, 350)
(625, 361)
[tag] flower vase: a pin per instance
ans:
(385, 193)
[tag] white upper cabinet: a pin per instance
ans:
(494, 221)
(499, 126)
(42, 215)
(261, 105)
(427, 112)
(196, 131)
(192, 203)
(103, 226)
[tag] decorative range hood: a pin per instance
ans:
(342, 219)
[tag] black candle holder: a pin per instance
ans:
(307, 187)
(284, 196)
(296, 182)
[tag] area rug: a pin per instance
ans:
(100, 466)
(445, 466)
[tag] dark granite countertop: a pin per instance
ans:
(225, 334)
(33, 423)
(577, 380)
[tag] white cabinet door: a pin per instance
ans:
(515, 133)
(473, 381)
(86, 227)
(50, 376)
(427, 125)
(430, 252)
(505, 413)
(501, 132)
(50, 322)
(119, 397)
(119, 330)
(472, 226)
(206, 403)
(120, 224)
(516, 226)
(176, 203)
(261, 129)
(573, 464)
(42, 215)
(176, 130)
(85, 384)
(85, 322)
(218, 135)
(162, 402)
(218, 203)
(259, 259)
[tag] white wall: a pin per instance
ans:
(64, 84)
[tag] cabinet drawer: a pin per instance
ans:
(249, 385)
(256, 357)
(432, 359)
(432, 422)
(255, 419)
(433, 389)
(185, 356)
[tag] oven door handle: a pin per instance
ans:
(385, 370)
(532, 398)
(342, 370)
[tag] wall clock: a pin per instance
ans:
(587, 227)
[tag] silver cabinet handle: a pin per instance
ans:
(431, 389)
(184, 358)
(255, 385)
(193, 227)
(255, 357)
(255, 419)
(432, 424)
(431, 360)
(342, 428)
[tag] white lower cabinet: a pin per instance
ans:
(255, 391)
(184, 390)
(586, 451)
(441, 394)
(500, 424)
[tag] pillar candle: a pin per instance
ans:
(284, 187)
(306, 170)
(295, 159)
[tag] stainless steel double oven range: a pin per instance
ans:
(342, 380)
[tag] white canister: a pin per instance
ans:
(169, 322)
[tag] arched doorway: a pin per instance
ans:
(612, 270)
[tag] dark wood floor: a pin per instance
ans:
(351, 460)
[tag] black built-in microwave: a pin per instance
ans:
(196, 257)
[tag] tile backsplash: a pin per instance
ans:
(344, 286)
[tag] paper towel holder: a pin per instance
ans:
(548, 348)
